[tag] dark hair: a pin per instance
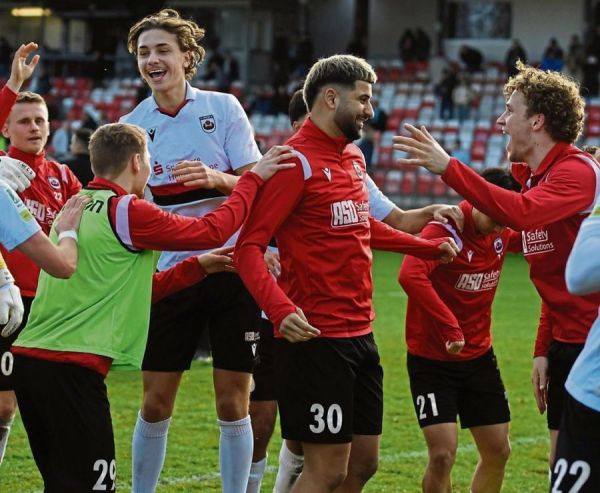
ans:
(343, 70)
(83, 135)
(297, 107)
(501, 177)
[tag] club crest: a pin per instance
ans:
(358, 169)
(208, 124)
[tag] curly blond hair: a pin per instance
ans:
(187, 32)
(555, 96)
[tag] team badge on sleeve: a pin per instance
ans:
(358, 170)
(208, 123)
(498, 245)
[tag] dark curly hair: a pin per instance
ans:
(555, 96)
(187, 32)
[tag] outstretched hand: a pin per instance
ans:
(219, 260)
(423, 150)
(295, 327)
(70, 215)
(21, 70)
(442, 213)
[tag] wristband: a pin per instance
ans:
(69, 233)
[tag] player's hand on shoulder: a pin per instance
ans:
(15, 173)
(539, 381)
(219, 260)
(443, 213)
(449, 250)
(273, 161)
(196, 174)
(295, 327)
(11, 305)
(21, 70)
(70, 215)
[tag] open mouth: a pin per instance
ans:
(157, 75)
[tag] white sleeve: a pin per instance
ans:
(17, 224)
(240, 144)
(583, 267)
(380, 206)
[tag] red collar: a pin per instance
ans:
(103, 184)
(33, 160)
(315, 134)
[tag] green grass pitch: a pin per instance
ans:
(191, 463)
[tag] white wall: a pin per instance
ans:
(534, 23)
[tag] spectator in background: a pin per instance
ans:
(590, 70)
(367, 144)
(462, 95)
(444, 90)
(5, 54)
(40, 82)
(407, 46)
(60, 140)
(231, 67)
(471, 57)
(422, 45)
(553, 58)
(379, 120)
(79, 162)
(575, 57)
(357, 46)
(515, 52)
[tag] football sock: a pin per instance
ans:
(148, 448)
(257, 470)
(4, 432)
(235, 454)
(290, 467)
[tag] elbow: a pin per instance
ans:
(66, 270)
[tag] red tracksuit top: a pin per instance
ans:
(555, 199)
(319, 215)
(50, 189)
(450, 302)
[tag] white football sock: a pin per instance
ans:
(235, 454)
(257, 471)
(290, 467)
(4, 432)
(148, 448)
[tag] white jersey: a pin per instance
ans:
(211, 127)
(583, 277)
(17, 224)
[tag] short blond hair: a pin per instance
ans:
(188, 34)
(112, 145)
(342, 70)
(30, 97)
(554, 95)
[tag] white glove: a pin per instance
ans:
(16, 174)
(11, 305)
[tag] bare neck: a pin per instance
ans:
(172, 99)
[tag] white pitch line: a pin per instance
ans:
(410, 454)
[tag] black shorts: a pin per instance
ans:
(561, 358)
(66, 414)
(471, 389)
(264, 369)
(329, 389)
(220, 304)
(577, 459)
(6, 357)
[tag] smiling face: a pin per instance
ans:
(519, 127)
(354, 109)
(27, 127)
(160, 60)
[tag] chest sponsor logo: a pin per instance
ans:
(348, 213)
(157, 168)
(54, 182)
(208, 124)
(478, 281)
(43, 214)
(152, 133)
(358, 169)
(327, 173)
(536, 241)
